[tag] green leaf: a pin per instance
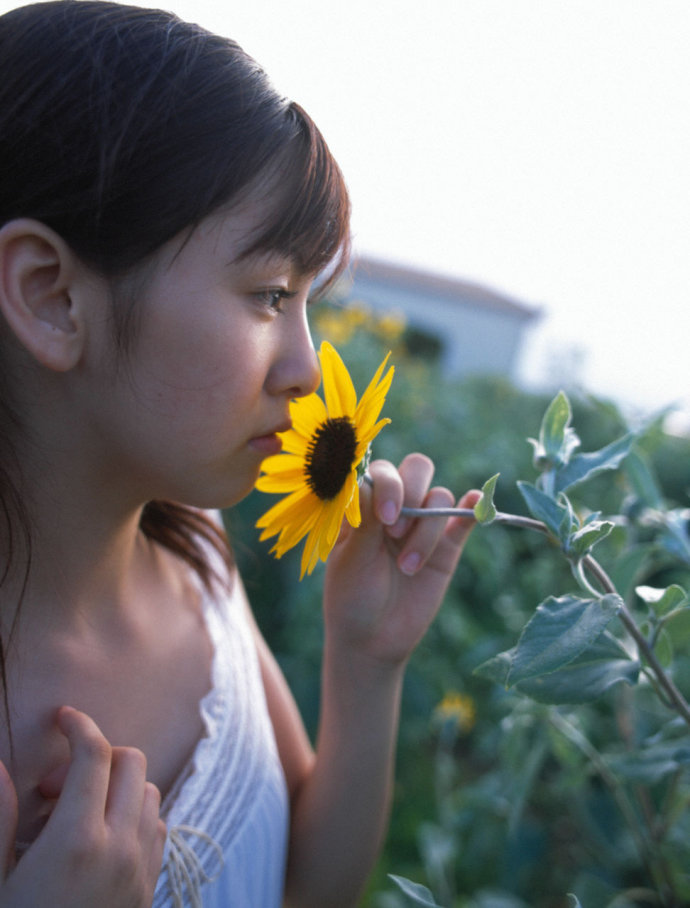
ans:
(415, 893)
(584, 466)
(586, 537)
(662, 601)
(663, 649)
(543, 507)
(584, 679)
(556, 439)
(485, 509)
(675, 538)
(497, 668)
(605, 663)
(677, 623)
(643, 481)
(630, 565)
(568, 523)
(650, 764)
(560, 629)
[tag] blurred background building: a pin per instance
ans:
(468, 327)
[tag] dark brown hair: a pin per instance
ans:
(122, 127)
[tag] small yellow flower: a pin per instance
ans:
(358, 314)
(391, 326)
(458, 709)
(318, 466)
(333, 325)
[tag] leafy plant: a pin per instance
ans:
(570, 652)
(534, 798)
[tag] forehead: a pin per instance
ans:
(233, 232)
(223, 243)
(257, 228)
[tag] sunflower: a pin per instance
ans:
(324, 454)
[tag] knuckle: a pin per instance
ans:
(96, 747)
(441, 497)
(126, 858)
(153, 795)
(85, 844)
(134, 758)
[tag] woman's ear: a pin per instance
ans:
(37, 270)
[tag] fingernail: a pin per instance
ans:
(410, 563)
(388, 513)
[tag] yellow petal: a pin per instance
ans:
(386, 383)
(341, 398)
(301, 513)
(366, 439)
(310, 555)
(293, 443)
(279, 483)
(373, 399)
(282, 463)
(315, 546)
(352, 511)
(290, 535)
(335, 516)
(307, 413)
(289, 508)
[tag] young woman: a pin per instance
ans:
(164, 214)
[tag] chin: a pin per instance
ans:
(224, 498)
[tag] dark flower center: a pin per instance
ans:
(330, 457)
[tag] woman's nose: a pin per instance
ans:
(308, 373)
(297, 372)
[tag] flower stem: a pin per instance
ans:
(666, 683)
(509, 519)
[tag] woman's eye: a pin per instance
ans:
(274, 298)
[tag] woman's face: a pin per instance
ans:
(222, 346)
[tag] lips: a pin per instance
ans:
(270, 442)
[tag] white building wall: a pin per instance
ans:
(475, 339)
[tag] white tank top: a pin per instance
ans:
(227, 814)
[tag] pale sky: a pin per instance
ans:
(541, 147)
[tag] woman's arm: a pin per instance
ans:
(384, 584)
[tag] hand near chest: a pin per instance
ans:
(103, 842)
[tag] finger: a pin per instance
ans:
(85, 788)
(459, 528)
(387, 493)
(156, 852)
(126, 790)
(8, 821)
(416, 472)
(425, 533)
(152, 829)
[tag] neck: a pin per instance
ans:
(87, 554)
(77, 557)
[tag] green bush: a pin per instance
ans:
(501, 800)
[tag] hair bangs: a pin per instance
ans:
(310, 221)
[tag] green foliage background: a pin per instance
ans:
(505, 812)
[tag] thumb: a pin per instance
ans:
(8, 822)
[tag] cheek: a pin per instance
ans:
(206, 377)
(201, 350)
